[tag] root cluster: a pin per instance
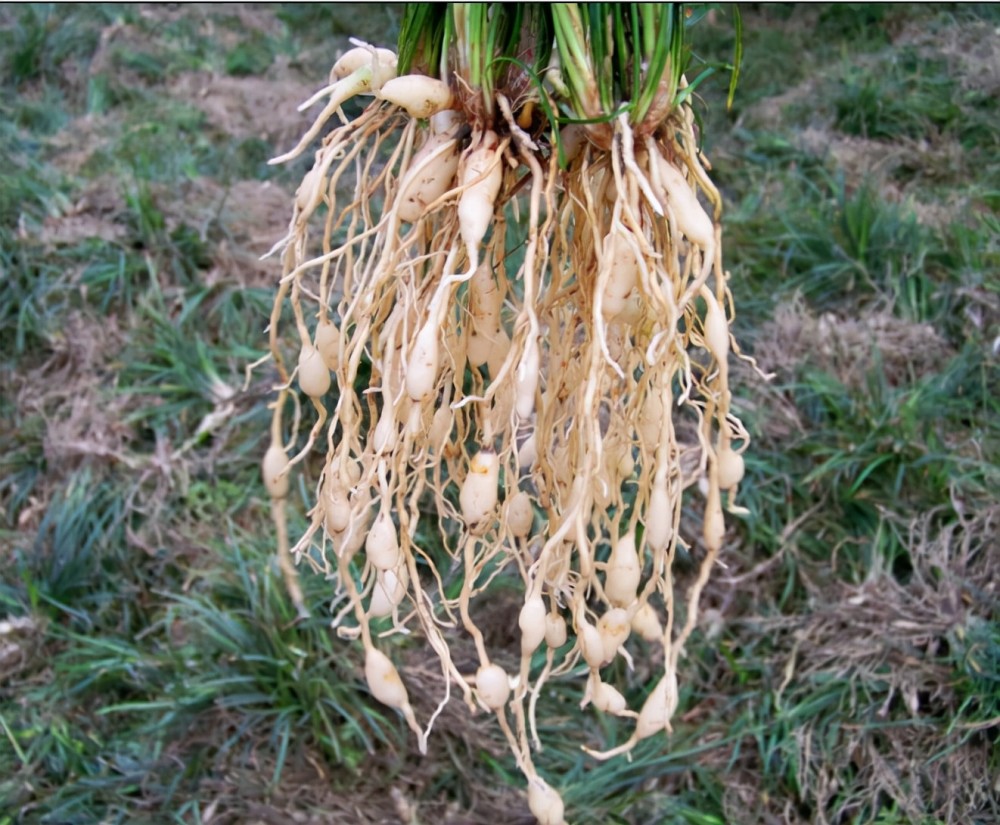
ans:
(517, 369)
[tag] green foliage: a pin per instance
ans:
(856, 21)
(612, 57)
(228, 646)
(64, 569)
(38, 39)
(251, 57)
(846, 244)
(908, 97)
(320, 23)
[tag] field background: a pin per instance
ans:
(847, 669)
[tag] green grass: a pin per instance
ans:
(158, 672)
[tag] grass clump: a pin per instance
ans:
(908, 98)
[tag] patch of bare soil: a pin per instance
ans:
(850, 347)
(972, 49)
(61, 391)
(242, 107)
(83, 422)
(859, 157)
(258, 214)
(879, 163)
(240, 222)
(769, 112)
(310, 797)
(97, 213)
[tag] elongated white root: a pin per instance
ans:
(431, 173)
(274, 470)
(481, 183)
(420, 96)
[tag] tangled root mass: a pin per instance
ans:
(518, 369)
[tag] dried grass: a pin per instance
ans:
(972, 50)
(243, 107)
(20, 648)
(885, 648)
(849, 347)
(67, 392)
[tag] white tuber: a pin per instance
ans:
(382, 543)
(387, 592)
(314, 375)
(658, 707)
(545, 804)
(478, 496)
(623, 572)
(328, 344)
(520, 514)
(493, 686)
(614, 628)
(422, 369)
(273, 470)
(731, 467)
(421, 96)
(659, 517)
(532, 622)
(482, 176)
(555, 630)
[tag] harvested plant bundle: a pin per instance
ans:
(504, 265)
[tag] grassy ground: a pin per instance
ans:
(151, 668)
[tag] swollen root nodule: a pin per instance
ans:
(518, 372)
